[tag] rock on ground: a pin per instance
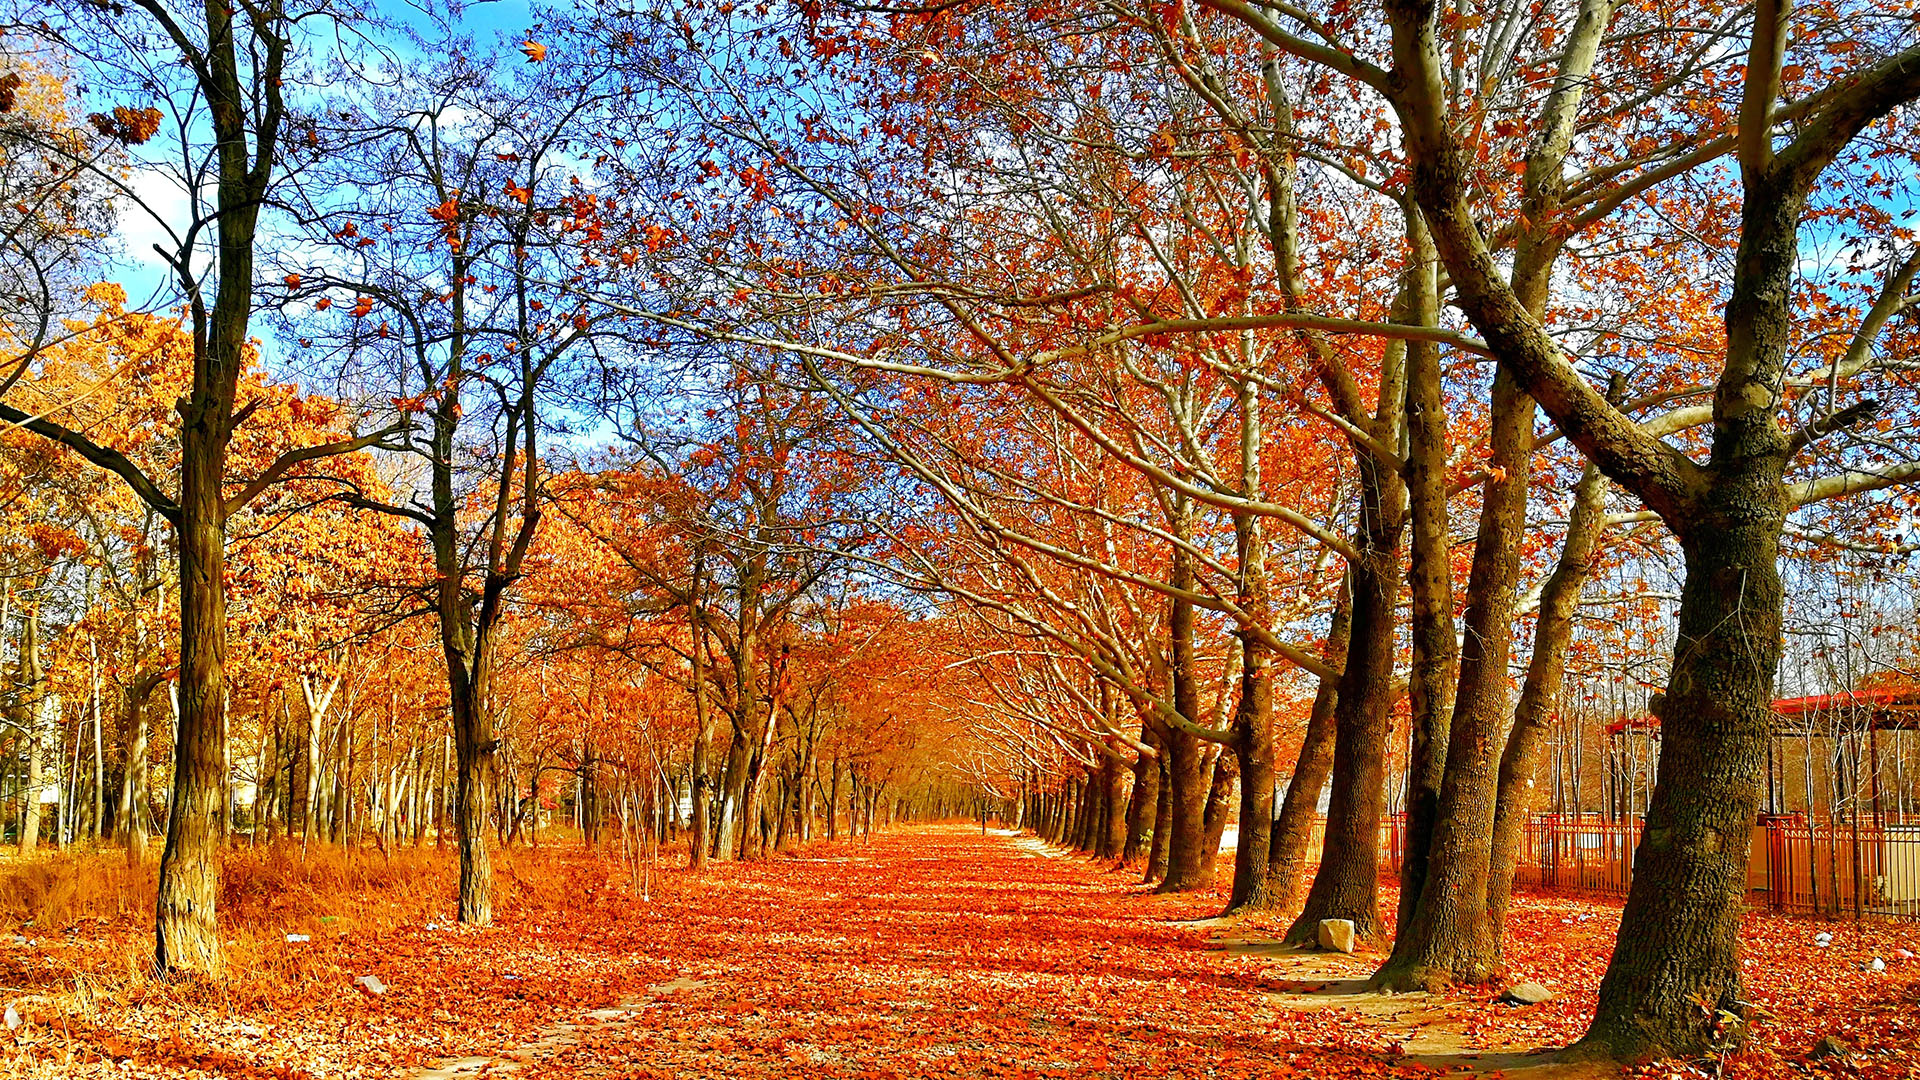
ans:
(1336, 935)
(1526, 993)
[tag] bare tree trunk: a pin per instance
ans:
(1430, 682)
(99, 756)
(1113, 838)
(1189, 865)
(1540, 693)
(1225, 771)
(317, 700)
(186, 933)
(1146, 793)
(1447, 936)
(1293, 831)
(474, 746)
(1253, 715)
(1159, 854)
(32, 681)
(702, 722)
(134, 812)
(1347, 884)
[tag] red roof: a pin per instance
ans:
(1882, 700)
(1882, 696)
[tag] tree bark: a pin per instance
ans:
(1347, 884)
(1679, 933)
(186, 933)
(1113, 839)
(317, 702)
(135, 813)
(1223, 774)
(702, 721)
(32, 687)
(1143, 802)
(1540, 694)
(1189, 865)
(1293, 831)
(1160, 854)
(731, 833)
(1448, 937)
(1253, 757)
(1430, 572)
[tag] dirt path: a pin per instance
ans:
(942, 952)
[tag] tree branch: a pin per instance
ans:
(291, 458)
(111, 460)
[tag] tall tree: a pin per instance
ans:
(219, 76)
(1678, 944)
(450, 258)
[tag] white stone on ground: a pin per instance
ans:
(1336, 935)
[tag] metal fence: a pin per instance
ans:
(1838, 869)
(1583, 853)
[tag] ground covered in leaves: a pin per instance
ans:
(926, 952)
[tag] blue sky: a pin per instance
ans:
(134, 263)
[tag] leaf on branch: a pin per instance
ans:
(128, 126)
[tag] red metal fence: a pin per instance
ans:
(1577, 854)
(1842, 869)
(1838, 868)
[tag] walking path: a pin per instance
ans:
(927, 952)
(943, 952)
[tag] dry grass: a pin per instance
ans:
(89, 915)
(53, 890)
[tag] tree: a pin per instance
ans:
(1678, 937)
(479, 223)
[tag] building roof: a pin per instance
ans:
(1884, 708)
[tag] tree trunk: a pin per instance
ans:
(1253, 757)
(135, 813)
(1430, 682)
(762, 760)
(1142, 803)
(1113, 840)
(186, 933)
(1092, 812)
(473, 746)
(1540, 694)
(1160, 854)
(730, 830)
(833, 804)
(1253, 714)
(1293, 831)
(1226, 769)
(702, 728)
(317, 701)
(1189, 865)
(1679, 934)
(1448, 937)
(32, 684)
(1347, 884)
(99, 757)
